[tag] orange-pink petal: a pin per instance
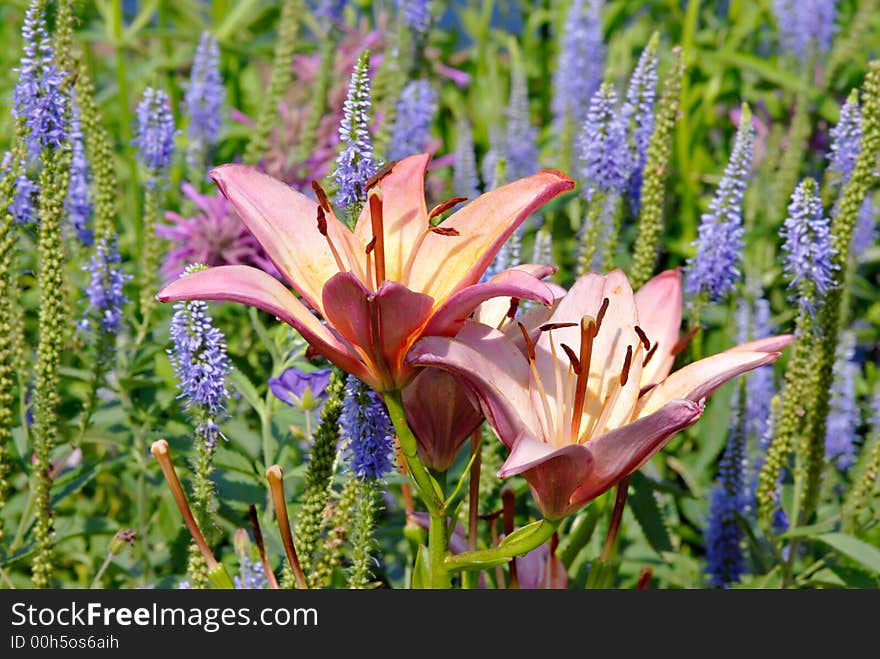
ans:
(698, 380)
(382, 325)
(242, 283)
(659, 304)
(494, 369)
(284, 221)
(404, 214)
(449, 318)
(483, 226)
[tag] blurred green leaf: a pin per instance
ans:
(856, 549)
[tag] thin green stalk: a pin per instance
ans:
(651, 199)
(53, 329)
(831, 314)
(319, 475)
(319, 97)
(429, 490)
(279, 79)
(125, 118)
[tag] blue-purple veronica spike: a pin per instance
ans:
(104, 293)
(416, 14)
(79, 206)
(865, 231)
(412, 125)
(805, 26)
(638, 116)
(38, 98)
(465, 182)
(365, 424)
(522, 147)
(201, 365)
(355, 163)
(846, 139)
(715, 268)
(725, 560)
(204, 100)
(155, 132)
(581, 62)
(605, 152)
(807, 245)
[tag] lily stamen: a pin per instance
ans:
(384, 171)
(530, 350)
(368, 267)
(323, 201)
(444, 206)
(322, 229)
(643, 337)
(682, 343)
(589, 329)
(444, 231)
(601, 315)
(650, 354)
(627, 363)
(378, 233)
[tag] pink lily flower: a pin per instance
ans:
(586, 398)
(394, 279)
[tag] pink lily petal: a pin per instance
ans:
(552, 473)
(382, 324)
(769, 344)
(493, 369)
(441, 429)
(659, 305)
(567, 478)
(621, 452)
(447, 320)
(483, 225)
(284, 222)
(493, 312)
(248, 285)
(404, 214)
(698, 380)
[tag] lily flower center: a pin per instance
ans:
(583, 409)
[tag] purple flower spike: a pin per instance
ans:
(306, 390)
(715, 268)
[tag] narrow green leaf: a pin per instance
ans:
(856, 549)
(248, 391)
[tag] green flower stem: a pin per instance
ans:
(52, 335)
(125, 117)
(319, 476)
(319, 97)
(590, 232)
(428, 488)
(650, 223)
(279, 79)
(832, 314)
(521, 542)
